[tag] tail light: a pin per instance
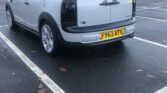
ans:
(134, 8)
(69, 13)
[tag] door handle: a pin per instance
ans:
(110, 3)
(26, 3)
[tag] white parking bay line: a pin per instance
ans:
(3, 26)
(154, 8)
(151, 42)
(152, 18)
(46, 79)
(163, 90)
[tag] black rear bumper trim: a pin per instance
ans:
(96, 28)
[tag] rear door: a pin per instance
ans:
(97, 12)
(120, 10)
(35, 7)
(19, 10)
(91, 13)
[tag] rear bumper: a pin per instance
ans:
(65, 43)
(92, 38)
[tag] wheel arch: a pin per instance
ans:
(47, 17)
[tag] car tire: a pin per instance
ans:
(49, 39)
(10, 18)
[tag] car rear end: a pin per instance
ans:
(97, 21)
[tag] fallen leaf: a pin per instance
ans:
(150, 76)
(41, 89)
(139, 70)
(13, 73)
(62, 69)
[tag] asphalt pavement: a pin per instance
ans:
(15, 77)
(133, 66)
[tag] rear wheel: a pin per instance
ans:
(11, 22)
(49, 39)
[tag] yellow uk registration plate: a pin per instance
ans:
(112, 34)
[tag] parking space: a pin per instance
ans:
(15, 77)
(152, 30)
(152, 20)
(98, 69)
(133, 66)
(150, 4)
